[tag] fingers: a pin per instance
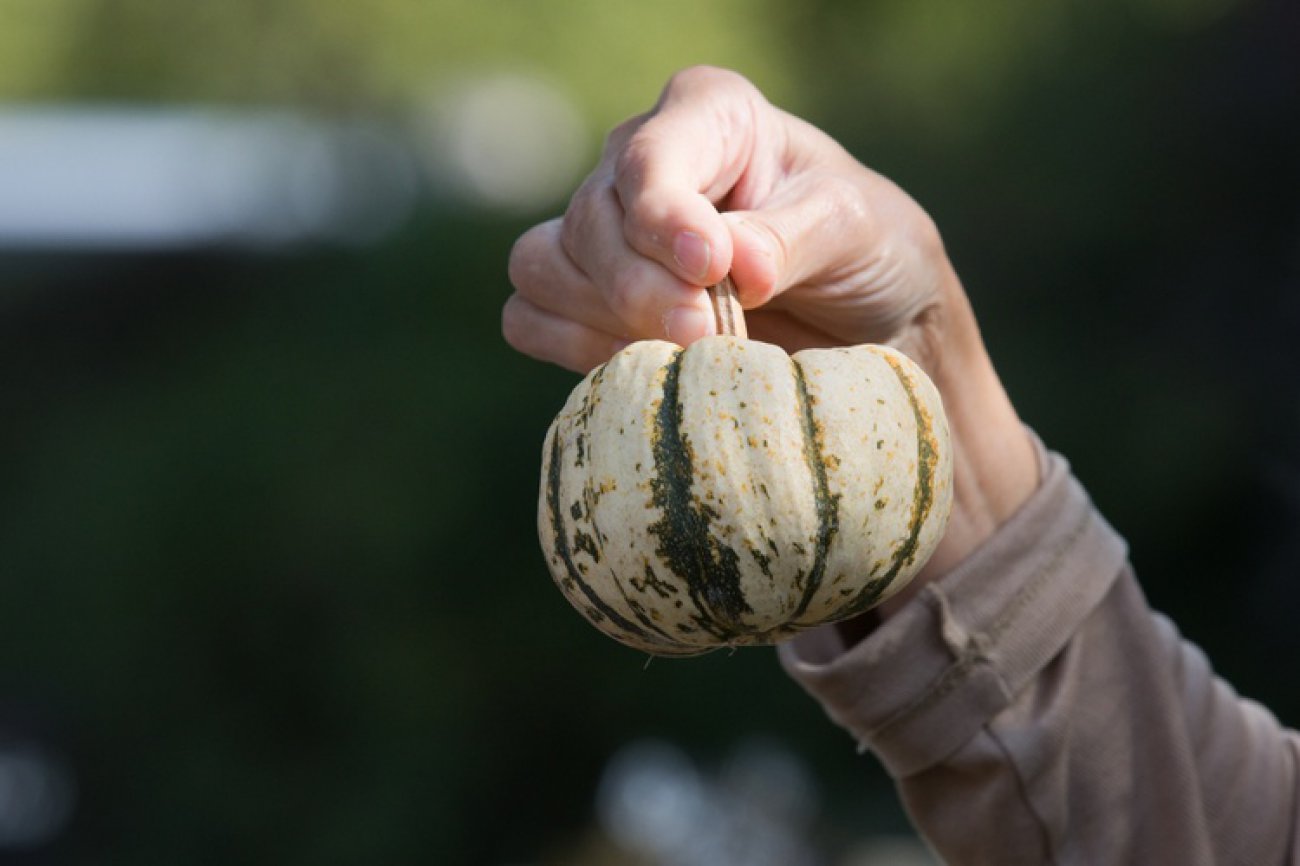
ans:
(715, 180)
(813, 222)
(841, 239)
(555, 339)
(799, 208)
(614, 291)
(643, 235)
(543, 273)
(647, 299)
(692, 152)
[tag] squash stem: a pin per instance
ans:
(727, 312)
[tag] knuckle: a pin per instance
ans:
(844, 203)
(705, 76)
(514, 325)
(644, 214)
(646, 203)
(838, 204)
(522, 263)
(580, 218)
(619, 135)
(632, 159)
(626, 295)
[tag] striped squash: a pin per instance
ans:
(731, 494)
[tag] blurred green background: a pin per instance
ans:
(270, 590)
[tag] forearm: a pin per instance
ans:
(1032, 709)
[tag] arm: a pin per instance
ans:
(1032, 709)
(1029, 705)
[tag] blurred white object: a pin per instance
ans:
(651, 797)
(504, 141)
(106, 177)
(654, 803)
(37, 795)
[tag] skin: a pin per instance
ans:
(823, 252)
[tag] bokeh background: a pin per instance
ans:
(269, 584)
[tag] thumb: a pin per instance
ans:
(758, 257)
(817, 229)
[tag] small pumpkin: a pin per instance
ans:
(730, 494)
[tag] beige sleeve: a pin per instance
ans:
(1032, 709)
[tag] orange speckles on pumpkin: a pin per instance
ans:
(747, 459)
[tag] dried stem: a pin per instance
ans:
(726, 309)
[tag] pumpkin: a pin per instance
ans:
(730, 494)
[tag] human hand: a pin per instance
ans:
(714, 180)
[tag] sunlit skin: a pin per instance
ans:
(823, 252)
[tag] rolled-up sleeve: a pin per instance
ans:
(1033, 709)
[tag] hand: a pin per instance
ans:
(822, 250)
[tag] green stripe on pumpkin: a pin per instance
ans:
(828, 505)
(922, 493)
(585, 509)
(561, 542)
(710, 570)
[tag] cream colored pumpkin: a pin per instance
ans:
(731, 494)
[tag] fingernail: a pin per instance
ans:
(692, 254)
(685, 325)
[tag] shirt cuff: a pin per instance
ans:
(925, 682)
